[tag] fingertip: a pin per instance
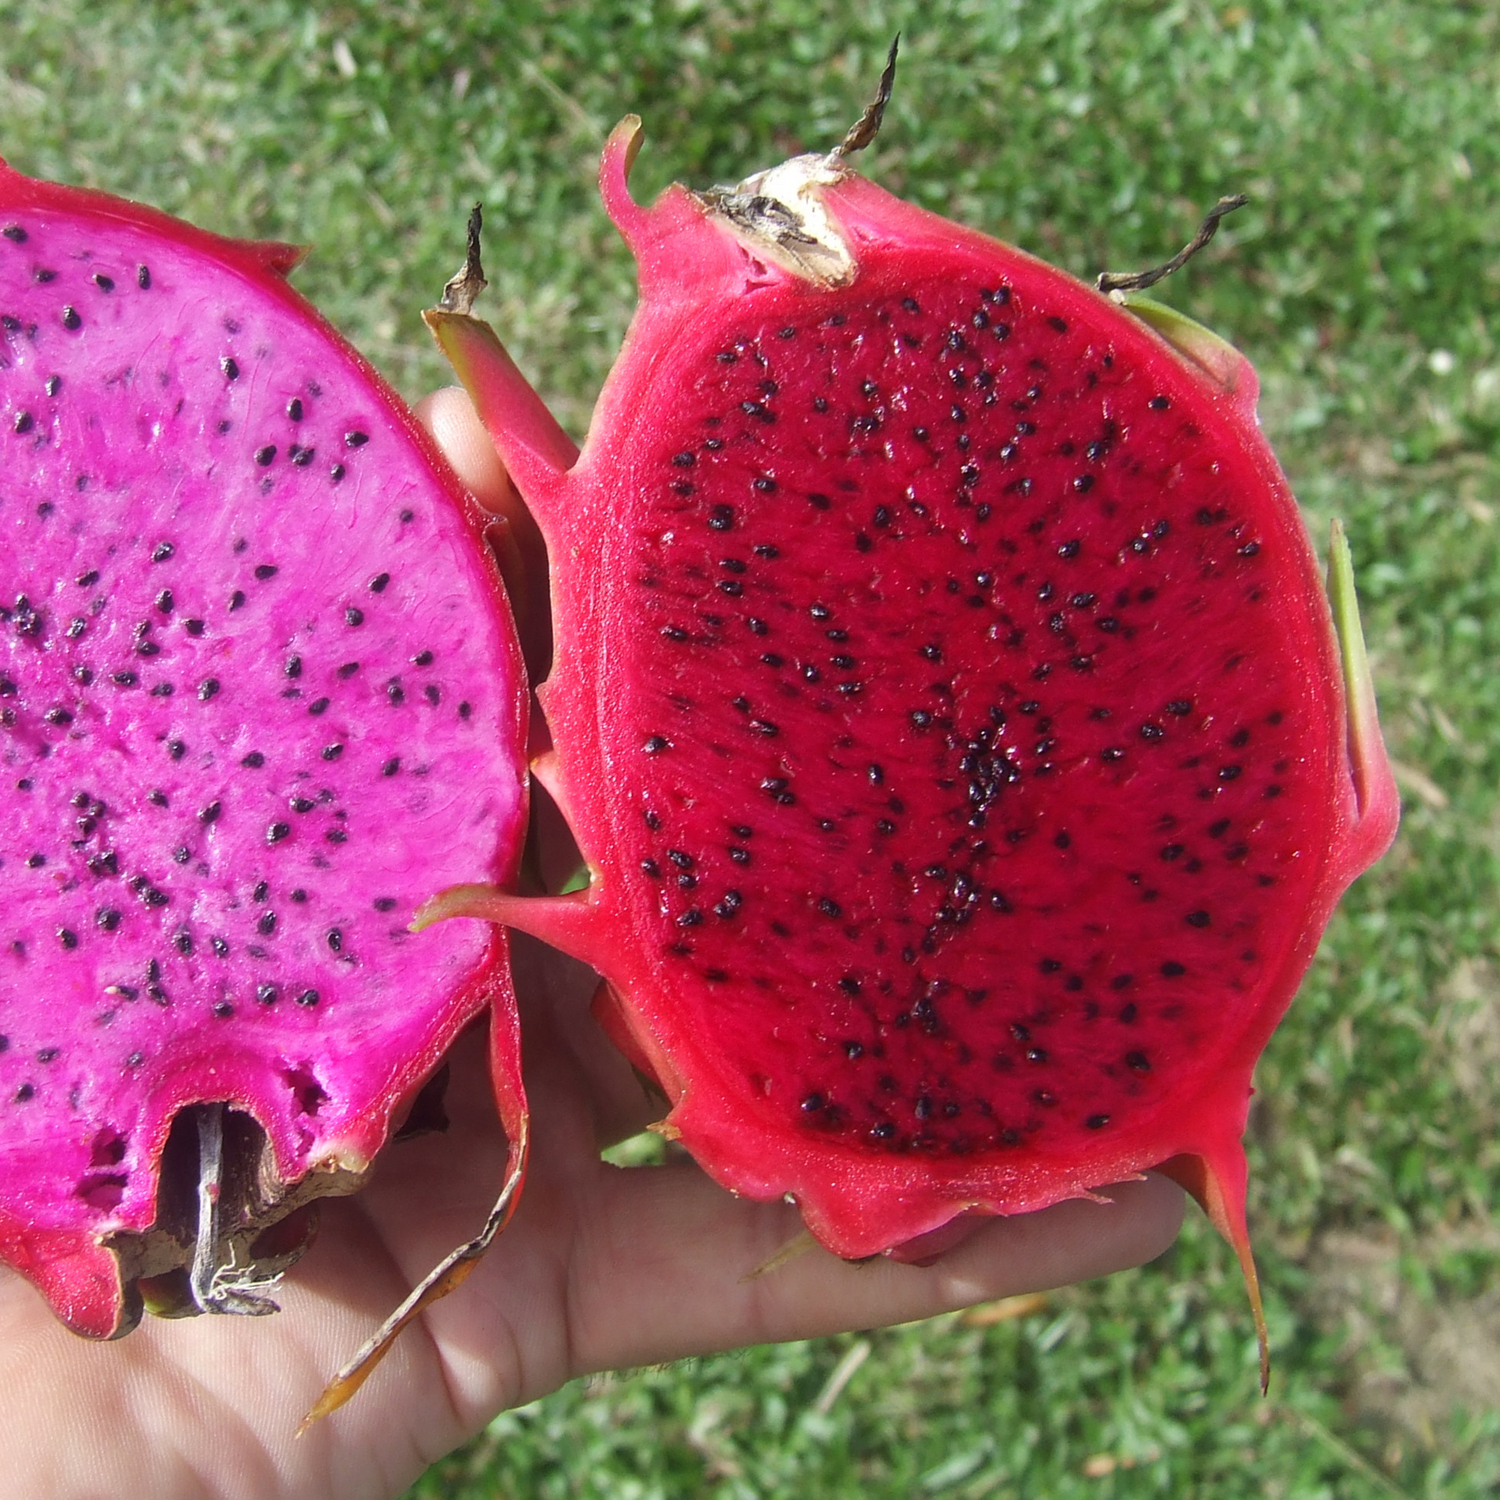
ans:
(449, 416)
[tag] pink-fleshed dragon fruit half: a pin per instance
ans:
(260, 695)
(964, 752)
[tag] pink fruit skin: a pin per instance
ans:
(170, 385)
(608, 521)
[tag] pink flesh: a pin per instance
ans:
(271, 704)
(962, 851)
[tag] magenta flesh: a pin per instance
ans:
(259, 697)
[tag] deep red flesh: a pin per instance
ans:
(962, 762)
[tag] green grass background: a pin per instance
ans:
(1364, 280)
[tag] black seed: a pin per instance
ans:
(1173, 970)
(422, 659)
(263, 456)
(1158, 403)
(266, 993)
(266, 924)
(308, 997)
(1229, 773)
(336, 473)
(819, 502)
(67, 937)
(1097, 1122)
(210, 813)
(1197, 919)
(1179, 707)
(395, 692)
(230, 368)
(25, 1092)
(193, 627)
(320, 705)
(157, 797)
(1138, 1062)
(721, 518)
(348, 669)
(829, 907)
(391, 766)
(207, 688)
(14, 233)
(70, 319)
(356, 439)
(265, 571)
(354, 616)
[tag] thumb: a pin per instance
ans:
(450, 418)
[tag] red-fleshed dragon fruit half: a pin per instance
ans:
(260, 695)
(946, 703)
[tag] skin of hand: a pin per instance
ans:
(601, 1268)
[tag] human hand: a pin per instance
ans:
(601, 1268)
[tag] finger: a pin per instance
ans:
(450, 418)
(449, 415)
(663, 1254)
(571, 1057)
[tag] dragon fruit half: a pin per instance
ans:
(946, 704)
(260, 695)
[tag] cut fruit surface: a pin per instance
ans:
(259, 696)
